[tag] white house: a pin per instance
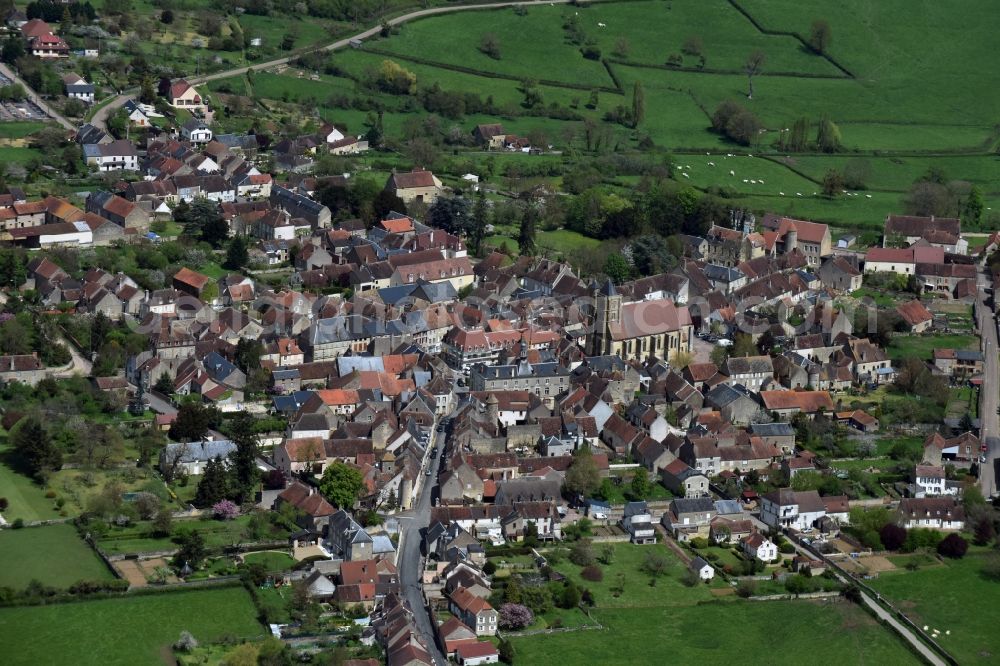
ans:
(638, 522)
(196, 131)
(929, 480)
(758, 546)
(118, 155)
(191, 457)
(941, 513)
(136, 114)
(704, 570)
(78, 88)
(788, 508)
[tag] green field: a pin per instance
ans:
(26, 498)
(942, 596)
(20, 129)
(710, 633)
(127, 630)
(54, 555)
(923, 346)
(271, 560)
(644, 623)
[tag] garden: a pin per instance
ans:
(54, 555)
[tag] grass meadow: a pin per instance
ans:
(136, 629)
(53, 554)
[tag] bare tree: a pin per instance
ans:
(172, 460)
(753, 67)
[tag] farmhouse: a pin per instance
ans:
(942, 513)
(418, 185)
(942, 232)
(917, 317)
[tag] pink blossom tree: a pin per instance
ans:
(225, 510)
(515, 616)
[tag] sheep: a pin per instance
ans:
(684, 173)
(761, 181)
(745, 180)
(601, 25)
(798, 194)
(732, 173)
(868, 196)
(781, 194)
(753, 182)
(711, 164)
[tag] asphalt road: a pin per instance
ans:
(100, 118)
(989, 394)
(409, 561)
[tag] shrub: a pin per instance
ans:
(17, 524)
(786, 548)
(953, 546)
(591, 52)
(592, 573)
(690, 578)
(699, 542)
(582, 553)
(225, 510)
(893, 536)
(489, 568)
(746, 588)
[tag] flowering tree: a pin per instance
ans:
(515, 616)
(225, 510)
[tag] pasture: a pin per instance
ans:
(135, 629)
(53, 554)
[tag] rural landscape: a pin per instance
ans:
(417, 332)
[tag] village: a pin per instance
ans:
(383, 440)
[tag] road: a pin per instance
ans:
(81, 365)
(409, 561)
(989, 393)
(100, 118)
(37, 99)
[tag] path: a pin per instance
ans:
(100, 118)
(37, 99)
(989, 393)
(80, 363)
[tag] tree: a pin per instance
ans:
(526, 233)
(163, 522)
(225, 510)
(342, 484)
(243, 467)
(164, 384)
(972, 212)
(395, 79)
(570, 597)
(638, 104)
(192, 549)
(515, 616)
(33, 442)
(506, 650)
(622, 47)
(753, 66)
(640, 485)
(828, 136)
(288, 41)
(655, 564)
(953, 546)
(743, 345)
(693, 46)
(450, 214)
(617, 268)
(214, 484)
(489, 44)
(582, 553)
(582, 477)
(166, 17)
(690, 577)
(833, 183)
(893, 536)
(237, 255)
(478, 223)
(193, 420)
(820, 35)
(984, 531)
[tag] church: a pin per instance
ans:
(638, 330)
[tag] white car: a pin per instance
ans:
(724, 342)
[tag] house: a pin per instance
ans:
(812, 239)
(78, 88)
(182, 95)
(136, 114)
(190, 282)
(684, 481)
(788, 403)
(840, 274)
(191, 457)
(418, 185)
(750, 371)
(42, 42)
(638, 522)
(490, 136)
(789, 508)
(859, 420)
(779, 434)
(942, 513)
(760, 547)
(942, 232)
(475, 612)
(917, 317)
(313, 508)
(958, 363)
(705, 571)
(23, 368)
(454, 633)
(319, 586)
(118, 155)
(196, 131)
(687, 518)
(347, 539)
(930, 480)
(728, 530)
(733, 402)
(474, 654)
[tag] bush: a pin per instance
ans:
(746, 588)
(592, 573)
(699, 542)
(515, 616)
(17, 524)
(786, 548)
(953, 546)
(591, 52)
(582, 553)
(893, 536)
(489, 568)
(690, 578)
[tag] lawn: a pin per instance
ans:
(942, 596)
(271, 560)
(712, 632)
(18, 155)
(20, 129)
(26, 499)
(53, 554)
(923, 346)
(137, 538)
(126, 630)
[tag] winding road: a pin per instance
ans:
(101, 117)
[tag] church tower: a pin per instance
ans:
(609, 311)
